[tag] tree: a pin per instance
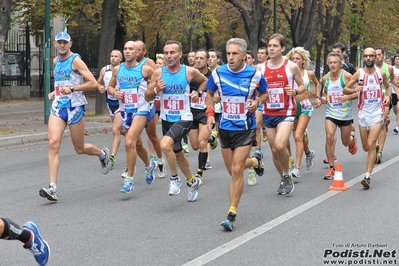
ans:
(106, 44)
(256, 16)
(5, 14)
(330, 17)
(303, 19)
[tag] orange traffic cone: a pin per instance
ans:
(338, 183)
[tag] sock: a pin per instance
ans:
(307, 154)
(200, 172)
(13, 231)
(233, 209)
(53, 185)
(368, 174)
(332, 167)
(102, 157)
(191, 180)
(130, 177)
(254, 162)
(286, 173)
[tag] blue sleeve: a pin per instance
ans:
(210, 85)
(262, 86)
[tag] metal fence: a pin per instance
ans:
(15, 68)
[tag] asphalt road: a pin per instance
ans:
(94, 224)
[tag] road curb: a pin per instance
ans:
(6, 142)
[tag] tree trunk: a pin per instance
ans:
(330, 24)
(255, 21)
(208, 40)
(106, 45)
(5, 11)
(303, 21)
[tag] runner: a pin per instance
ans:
(338, 110)
(280, 107)
(199, 133)
(71, 78)
(131, 78)
(304, 111)
(172, 83)
(112, 103)
(367, 84)
(236, 83)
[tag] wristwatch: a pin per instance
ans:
(296, 91)
(200, 92)
(72, 88)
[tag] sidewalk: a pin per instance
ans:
(22, 122)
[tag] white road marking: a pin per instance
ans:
(241, 240)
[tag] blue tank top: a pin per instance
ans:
(133, 85)
(175, 99)
(65, 76)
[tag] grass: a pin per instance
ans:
(7, 130)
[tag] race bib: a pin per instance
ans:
(173, 102)
(201, 104)
(234, 108)
(57, 88)
(129, 99)
(306, 105)
(276, 98)
(372, 94)
(333, 98)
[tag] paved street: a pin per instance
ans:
(94, 224)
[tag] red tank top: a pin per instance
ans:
(279, 102)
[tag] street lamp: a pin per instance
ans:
(275, 16)
(47, 36)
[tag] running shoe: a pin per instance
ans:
(251, 177)
(325, 160)
(280, 190)
(291, 162)
(352, 148)
(261, 167)
(213, 139)
(379, 157)
(330, 174)
(200, 177)
(185, 148)
(193, 189)
(286, 185)
(377, 150)
(174, 186)
(208, 166)
(39, 248)
(105, 165)
(396, 130)
(161, 168)
(264, 135)
(228, 223)
(112, 159)
(296, 172)
(124, 174)
(309, 160)
(49, 193)
(150, 172)
(366, 182)
(128, 185)
(306, 136)
(259, 151)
